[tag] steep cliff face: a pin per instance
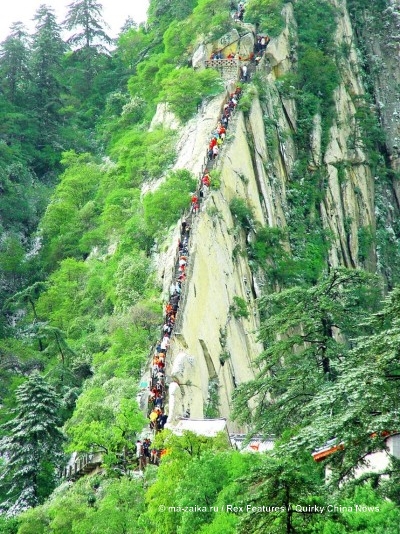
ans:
(348, 203)
(220, 347)
(212, 350)
(378, 29)
(357, 189)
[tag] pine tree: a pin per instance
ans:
(89, 42)
(14, 55)
(283, 481)
(86, 15)
(17, 130)
(47, 53)
(31, 446)
(362, 406)
(306, 332)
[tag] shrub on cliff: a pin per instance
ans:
(164, 206)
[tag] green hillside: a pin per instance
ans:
(89, 202)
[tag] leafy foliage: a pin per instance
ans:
(363, 399)
(241, 213)
(317, 75)
(384, 516)
(195, 470)
(164, 13)
(116, 504)
(184, 89)
(81, 306)
(304, 332)
(268, 251)
(143, 156)
(107, 419)
(279, 481)
(239, 308)
(266, 14)
(72, 212)
(164, 207)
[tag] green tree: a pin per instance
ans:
(177, 42)
(107, 418)
(306, 333)
(115, 504)
(18, 133)
(31, 445)
(269, 251)
(184, 89)
(18, 128)
(362, 405)
(29, 295)
(23, 198)
(86, 17)
(12, 261)
(17, 360)
(212, 20)
(61, 302)
(174, 481)
(162, 13)
(14, 57)
(117, 508)
(133, 45)
(143, 156)
(145, 83)
(8, 525)
(283, 481)
(242, 213)
(164, 207)
(55, 342)
(45, 67)
(266, 14)
(68, 225)
(381, 516)
(204, 480)
(318, 74)
(131, 279)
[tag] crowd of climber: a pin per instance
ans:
(157, 406)
(218, 135)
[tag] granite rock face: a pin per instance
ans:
(256, 165)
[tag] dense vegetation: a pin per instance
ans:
(81, 306)
(78, 291)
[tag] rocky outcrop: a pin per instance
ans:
(379, 36)
(224, 346)
(232, 42)
(184, 390)
(281, 50)
(256, 165)
(221, 346)
(164, 117)
(349, 201)
(348, 205)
